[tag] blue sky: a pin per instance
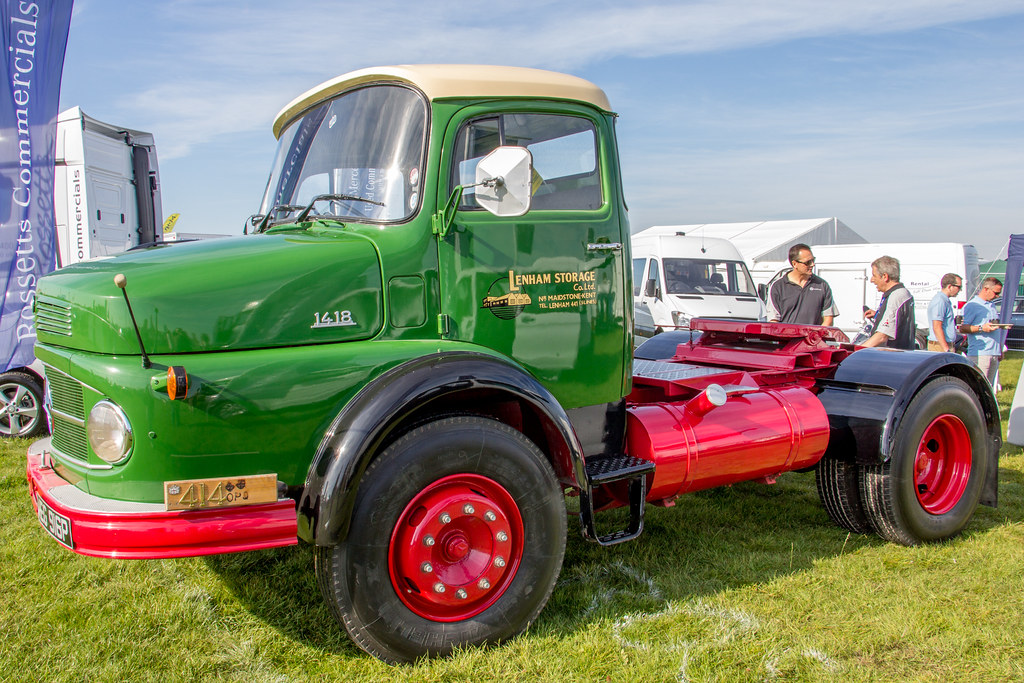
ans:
(903, 118)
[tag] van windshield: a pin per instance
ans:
(367, 143)
(707, 276)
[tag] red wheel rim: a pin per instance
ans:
(943, 464)
(456, 547)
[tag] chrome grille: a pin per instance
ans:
(67, 409)
(65, 394)
(53, 316)
(69, 439)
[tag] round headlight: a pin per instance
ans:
(110, 435)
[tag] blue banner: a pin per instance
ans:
(35, 34)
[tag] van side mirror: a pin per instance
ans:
(762, 291)
(503, 181)
(650, 289)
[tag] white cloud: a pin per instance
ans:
(225, 66)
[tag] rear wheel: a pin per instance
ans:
(21, 405)
(929, 488)
(457, 538)
(839, 488)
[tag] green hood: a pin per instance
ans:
(234, 293)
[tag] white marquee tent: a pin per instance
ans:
(769, 241)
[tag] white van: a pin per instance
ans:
(847, 269)
(677, 277)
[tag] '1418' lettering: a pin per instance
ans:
(335, 319)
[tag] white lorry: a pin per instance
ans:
(678, 277)
(847, 269)
(106, 201)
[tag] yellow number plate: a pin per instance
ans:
(196, 494)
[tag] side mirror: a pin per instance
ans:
(503, 181)
(252, 222)
(762, 291)
(650, 289)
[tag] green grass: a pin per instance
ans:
(744, 583)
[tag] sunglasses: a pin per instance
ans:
(809, 262)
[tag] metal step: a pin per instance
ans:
(607, 470)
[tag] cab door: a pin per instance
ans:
(549, 288)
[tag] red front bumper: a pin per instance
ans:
(105, 528)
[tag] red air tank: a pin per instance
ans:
(754, 433)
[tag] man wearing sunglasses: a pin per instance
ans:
(984, 341)
(941, 316)
(800, 296)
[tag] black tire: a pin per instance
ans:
(908, 499)
(839, 488)
(398, 530)
(21, 405)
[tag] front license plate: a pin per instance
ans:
(192, 494)
(56, 524)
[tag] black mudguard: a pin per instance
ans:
(663, 346)
(365, 423)
(869, 393)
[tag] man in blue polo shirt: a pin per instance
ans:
(941, 316)
(983, 337)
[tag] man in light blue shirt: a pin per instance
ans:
(941, 316)
(983, 337)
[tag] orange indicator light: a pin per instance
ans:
(177, 382)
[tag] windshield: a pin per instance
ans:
(367, 144)
(707, 276)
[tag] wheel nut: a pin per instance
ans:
(501, 536)
(426, 567)
(499, 561)
(484, 584)
(490, 516)
(428, 541)
(439, 587)
(445, 518)
(461, 594)
(468, 509)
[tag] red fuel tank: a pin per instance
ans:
(697, 445)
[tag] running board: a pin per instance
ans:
(608, 470)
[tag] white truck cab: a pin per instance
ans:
(677, 277)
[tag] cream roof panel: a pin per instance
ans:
(439, 81)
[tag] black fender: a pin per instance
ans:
(364, 424)
(662, 346)
(869, 393)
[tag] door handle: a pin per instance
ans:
(604, 246)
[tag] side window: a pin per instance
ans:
(566, 176)
(638, 275)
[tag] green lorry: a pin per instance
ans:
(424, 344)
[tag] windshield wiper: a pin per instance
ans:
(334, 198)
(275, 209)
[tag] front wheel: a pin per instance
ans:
(929, 488)
(457, 538)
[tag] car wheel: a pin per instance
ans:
(21, 405)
